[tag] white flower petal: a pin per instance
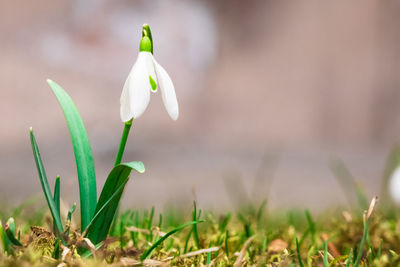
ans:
(125, 110)
(394, 185)
(152, 72)
(167, 91)
(136, 92)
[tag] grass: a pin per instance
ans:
(243, 238)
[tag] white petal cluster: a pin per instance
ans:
(394, 185)
(135, 96)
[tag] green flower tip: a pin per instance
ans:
(146, 44)
(31, 129)
(146, 31)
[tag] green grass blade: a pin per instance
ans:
(45, 183)
(56, 251)
(311, 226)
(83, 154)
(185, 248)
(350, 258)
(71, 211)
(226, 243)
(161, 239)
(117, 177)
(5, 242)
(9, 228)
(363, 239)
(150, 224)
(298, 253)
(208, 258)
(326, 263)
(160, 221)
(56, 198)
(56, 194)
(224, 223)
(194, 227)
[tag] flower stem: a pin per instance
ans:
(118, 158)
(122, 143)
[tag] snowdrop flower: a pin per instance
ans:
(394, 185)
(146, 76)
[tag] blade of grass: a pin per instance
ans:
(326, 263)
(361, 248)
(56, 251)
(160, 221)
(224, 222)
(150, 224)
(56, 198)
(349, 259)
(83, 154)
(208, 258)
(5, 242)
(365, 237)
(161, 239)
(45, 183)
(311, 226)
(71, 211)
(10, 232)
(56, 195)
(378, 254)
(187, 241)
(226, 243)
(117, 177)
(194, 227)
(69, 217)
(298, 253)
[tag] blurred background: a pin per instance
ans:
(269, 93)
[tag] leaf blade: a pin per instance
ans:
(44, 182)
(56, 196)
(161, 239)
(82, 152)
(118, 177)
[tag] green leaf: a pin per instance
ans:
(326, 262)
(102, 210)
(349, 259)
(118, 177)
(361, 248)
(56, 251)
(56, 196)
(45, 183)
(10, 232)
(5, 242)
(194, 227)
(161, 239)
(149, 237)
(83, 154)
(71, 211)
(298, 253)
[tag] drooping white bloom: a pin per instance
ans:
(147, 75)
(394, 185)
